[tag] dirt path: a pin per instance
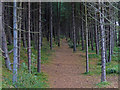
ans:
(66, 70)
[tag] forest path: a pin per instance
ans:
(66, 69)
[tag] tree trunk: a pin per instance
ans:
(74, 32)
(96, 35)
(29, 40)
(82, 29)
(39, 46)
(119, 23)
(51, 27)
(4, 41)
(59, 8)
(87, 60)
(19, 35)
(24, 26)
(103, 75)
(15, 59)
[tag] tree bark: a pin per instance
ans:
(96, 35)
(82, 29)
(86, 26)
(15, 52)
(58, 10)
(39, 46)
(51, 27)
(19, 35)
(103, 75)
(74, 31)
(29, 40)
(24, 26)
(119, 23)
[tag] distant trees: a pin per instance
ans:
(85, 25)
(3, 38)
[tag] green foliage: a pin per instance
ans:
(112, 69)
(62, 36)
(102, 84)
(25, 79)
(33, 80)
(70, 44)
(88, 73)
(93, 56)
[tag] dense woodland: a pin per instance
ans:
(24, 26)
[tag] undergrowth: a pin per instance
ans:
(25, 79)
(102, 84)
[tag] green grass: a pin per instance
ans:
(88, 73)
(26, 80)
(93, 56)
(102, 84)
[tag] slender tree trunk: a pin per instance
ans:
(59, 7)
(4, 41)
(39, 46)
(82, 29)
(92, 47)
(15, 52)
(29, 40)
(74, 33)
(51, 27)
(119, 23)
(24, 26)
(96, 35)
(87, 60)
(19, 35)
(110, 38)
(103, 75)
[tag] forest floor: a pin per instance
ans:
(66, 70)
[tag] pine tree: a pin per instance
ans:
(15, 38)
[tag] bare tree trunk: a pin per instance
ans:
(92, 47)
(103, 75)
(19, 35)
(59, 7)
(82, 29)
(119, 23)
(29, 40)
(4, 41)
(96, 35)
(51, 27)
(74, 34)
(15, 52)
(110, 38)
(24, 26)
(87, 60)
(39, 46)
